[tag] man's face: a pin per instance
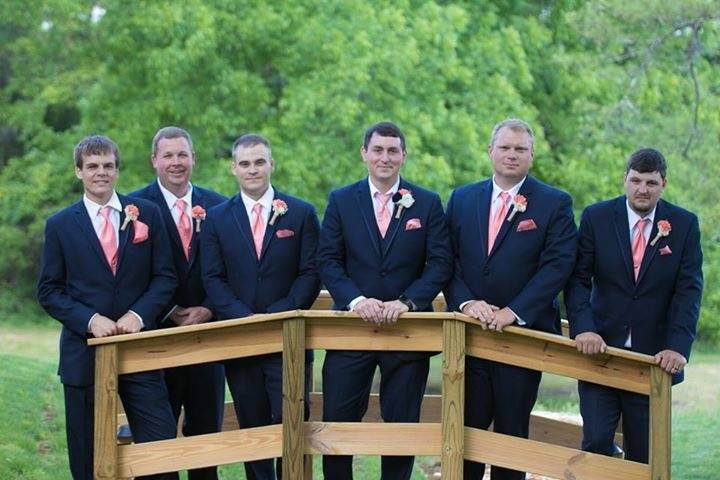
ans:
(511, 155)
(173, 162)
(252, 166)
(98, 174)
(643, 190)
(384, 156)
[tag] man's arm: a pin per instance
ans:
(554, 265)
(457, 293)
(306, 286)
(579, 286)
(52, 288)
(219, 294)
(331, 257)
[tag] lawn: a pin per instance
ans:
(32, 439)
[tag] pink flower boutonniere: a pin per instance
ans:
(664, 229)
(198, 214)
(279, 208)
(403, 199)
(519, 204)
(131, 215)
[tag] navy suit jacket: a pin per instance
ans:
(284, 278)
(661, 309)
(355, 260)
(526, 269)
(190, 291)
(76, 281)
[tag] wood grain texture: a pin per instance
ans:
(293, 406)
(453, 399)
(106, 400)
(660, 424)
(549, 460)
(342, 438)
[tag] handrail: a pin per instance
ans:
(454, 334)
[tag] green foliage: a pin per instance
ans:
(595, 79)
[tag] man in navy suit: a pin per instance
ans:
(384, 250)
(105, 272)
(258, 256)
(514, 239)
(200, 389)
(637, 285)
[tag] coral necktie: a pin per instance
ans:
(638, 246)
(496, 221)
(184, 226)
(382, 214)
(258, 228)
(108, 238)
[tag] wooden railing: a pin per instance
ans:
(454, 335)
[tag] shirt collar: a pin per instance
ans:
(93, 208)
(393, 190)
(633, 217)
(496, 191)
(170, 197)
(265, 200)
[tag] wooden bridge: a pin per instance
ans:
(550, 450)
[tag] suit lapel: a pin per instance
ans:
(622, 232)
(362, 194)
(123, 234)
(243, 223)
(526, 190)
(270, 229)
(86, 226)
(157, 197)
(651, 250)
(484, 192)
(395, 223)
(197, 199)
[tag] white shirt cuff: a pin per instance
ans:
(142, 324)
(351, 305)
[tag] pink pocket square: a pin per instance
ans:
(528, 224)
(413, 224)
(141, 231)
(665, 250)
(284, 233)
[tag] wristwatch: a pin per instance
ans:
(407, 302)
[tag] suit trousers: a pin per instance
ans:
(601, 407)
(145, 401)
(256, 387)
(503, 395)
(200, 389)
(347, 381)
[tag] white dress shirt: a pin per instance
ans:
(171, 198)
(93, 210)
(265, 201)
(632, 221)
(376, 205)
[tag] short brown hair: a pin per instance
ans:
(95, 145)
(250, 140)
(170, 132)
(514, 124)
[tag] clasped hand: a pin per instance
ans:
(490, 316)
(375, 311)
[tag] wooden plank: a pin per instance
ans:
(549, 460)
(341, 438)
(200, 451)
(200, 346)
(660, 408)
(561, 358)
(293, 406)
(559, 432)
(325, 302)
(106, 399)
(348, 332)
(453, 399)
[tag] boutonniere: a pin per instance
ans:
(403, 199)
(279, 208)
(131, 214)
(198, 214)
(519, 204)
(664, 229)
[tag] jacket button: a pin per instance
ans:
(383, 273)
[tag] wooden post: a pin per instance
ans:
(453, 400)
(106, 395)
(293, 356)
(660, 403)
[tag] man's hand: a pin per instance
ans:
(370, 310)
(480, 310)
(190, 315)
(129, 323)
(670, 361)
(502, 319)
(102, 326)
(392, 310)
(590, 343)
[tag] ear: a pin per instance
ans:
(78, 173)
